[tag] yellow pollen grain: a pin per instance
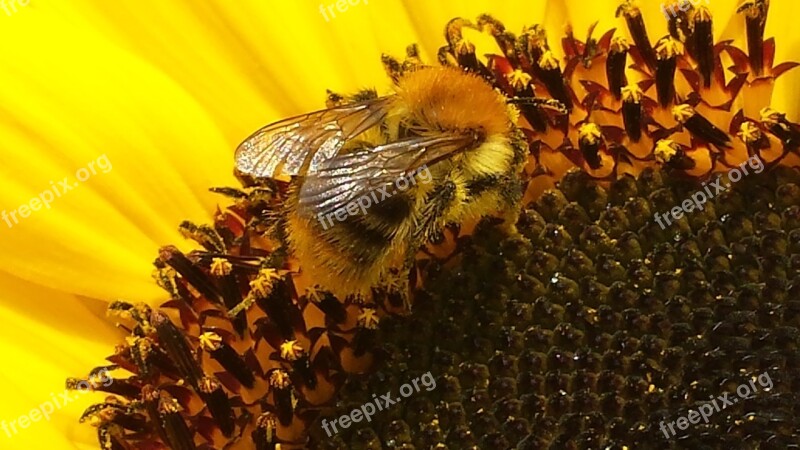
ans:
(749, 132)
(548, 61)
(314, 294)
(121, 313)
(628, 8)
(279, 379)
(536, 35)
(464, 47)
(208, 385)
(752, 8)
(769, 115)
(702, 14)
(220, 267)
(682, 112)
(291, 350)
(590, 133)
(262, 285)
(631, 93)
(668, 48)
(620, 44)
(369, 319)
(267, 420)
(665, 150)
(519, 80)
(210, 341)
(168, 404)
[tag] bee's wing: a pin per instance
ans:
(347, 177)
(298, 145)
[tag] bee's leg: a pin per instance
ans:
(429, 226)
(511, 189)
(431, 221)
(511, 185)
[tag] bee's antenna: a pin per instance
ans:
(538, 101)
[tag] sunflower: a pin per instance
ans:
(147, 90)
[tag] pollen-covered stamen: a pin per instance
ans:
(333, 308)
(265, 434)
(505, 40)
(222, 269)
(699, 126)
(463, 49)
(227, 357)
(165, 278)
(672, 155)
(260, 287)
(702, 48)
(615, 65)
(638, 31)
(752, 136)
(392, 66)
(590, 141)
(111, 437)
(204, 234)
(291, 350)
(668, 50)
(755, 12)
(191, 273)
(787, 132)
(519, 80)
(368, 319)
(679, 21)
(218, 405)
(413, 59)
(262, 284)
(147, 356)
(151, 400)
(632, 112)
(530, 46)
(282, 391)
(550, 75)
(139, 312)
(277, 301)
(104, 413)
(102, 382)
(366, 333)
(178, 434)
(174, 342)
(139, 350)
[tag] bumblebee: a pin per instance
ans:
(447, 134)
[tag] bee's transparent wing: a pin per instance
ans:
(299, 145)
(349, 176)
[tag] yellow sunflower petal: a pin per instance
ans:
(66, 109)
(53, 337)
